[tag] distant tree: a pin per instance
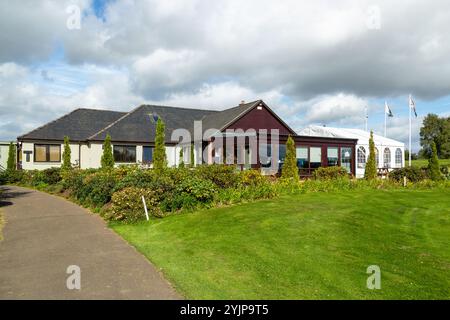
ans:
(433, 164)
(414, 156)
(437, 130)
(11, 163)
(371, 166)
(159, 155)
(181, 164)
(66, 165)
(290, 169)
(107, 160)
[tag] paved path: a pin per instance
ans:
(44, 234)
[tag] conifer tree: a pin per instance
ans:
(107, 160)
(433, 164)
(290, 169)
(159, 155)
(181, 164)
(66, 165)
(370, 172)
(11, 163)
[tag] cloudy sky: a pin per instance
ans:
(313, 62)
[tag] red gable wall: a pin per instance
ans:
(260, 119)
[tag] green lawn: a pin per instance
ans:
(424, 162)
(312, 246)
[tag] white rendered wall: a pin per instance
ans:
(31, 165)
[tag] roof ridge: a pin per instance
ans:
(115, 122)
(184, 108)
(93, 109)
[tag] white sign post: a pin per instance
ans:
(145, 208)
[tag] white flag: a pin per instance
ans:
(387, 110)
(412, 105)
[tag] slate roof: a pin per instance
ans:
(138, 125)
(220, 120)
(78, 125)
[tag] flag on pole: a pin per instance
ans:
(388, 110)
(412, 105)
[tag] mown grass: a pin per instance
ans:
(310, 246)
(424, 162)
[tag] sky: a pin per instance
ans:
(313, 62)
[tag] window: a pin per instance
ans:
(315, 154)
(377, 157)
(398, 158)
(387, 158)
(125, 154)
(147, 154)
(346, 159)
(302, 157)
(332, 156)
(361, 157)
(47, 153)
(265, 153)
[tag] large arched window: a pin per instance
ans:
(377, 157)
(398, 158)
(361, 157)
(387, 158)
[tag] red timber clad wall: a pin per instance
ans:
(260, 119)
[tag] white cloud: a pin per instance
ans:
(340, 108)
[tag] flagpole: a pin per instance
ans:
(367, 118)
(385, 118)
(410, 151)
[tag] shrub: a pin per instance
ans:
(126, 205)
(251, 178)
(96, 189)
(221, 175)
(412, 174)
(327, 173)
(445, 171)
(51, 175)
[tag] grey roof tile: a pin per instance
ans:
(78, 125)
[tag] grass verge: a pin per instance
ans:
(310, 246)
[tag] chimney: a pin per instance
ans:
(242, 102)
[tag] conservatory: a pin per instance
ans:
(389, 153)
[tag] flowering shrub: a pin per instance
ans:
(126, 205)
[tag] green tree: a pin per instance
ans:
(159, 155)
(433, 164)
(371, 166)
(181, 164)
(66, 165)
(11, 163)
(437, 130)
(107, 160)
(290, 169)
